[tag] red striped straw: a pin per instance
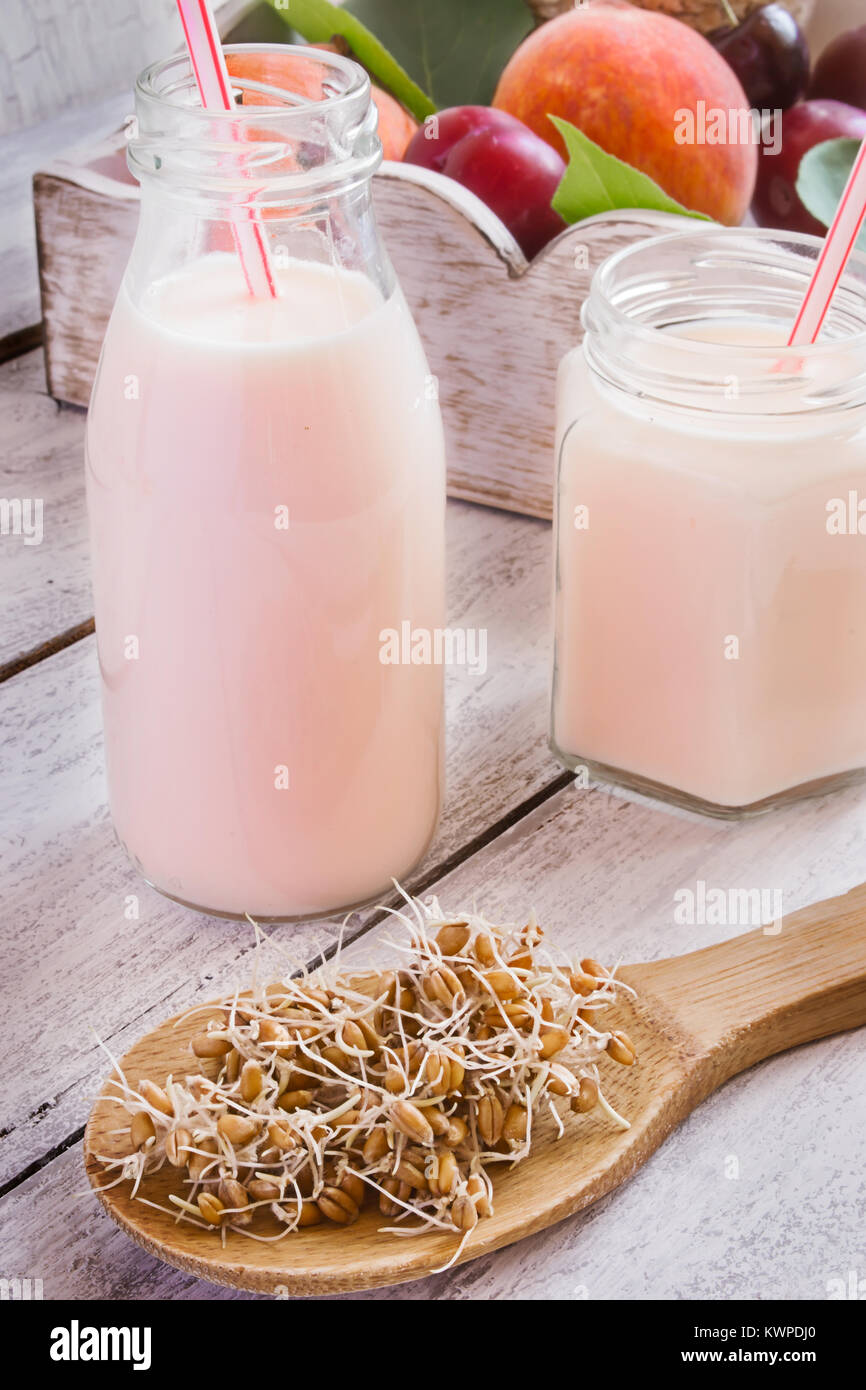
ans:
(830, 267)
(214, 87)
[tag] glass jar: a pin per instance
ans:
(710, 643)
(266, 492)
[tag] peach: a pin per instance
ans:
(396, 126)
(624, 76)
(288, 71)
(303, 75)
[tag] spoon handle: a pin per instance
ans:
(767, 990)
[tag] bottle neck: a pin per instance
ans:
(303, 128)
(339, 230)
(295, 156)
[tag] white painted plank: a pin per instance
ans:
(602, 872)
(45, 587)
(82, 1252)
(24, 153)
(69, 954)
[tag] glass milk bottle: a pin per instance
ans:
(266, 491)
(711, 527)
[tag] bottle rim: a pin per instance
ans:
(289, 142)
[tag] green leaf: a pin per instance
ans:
(824, 172)
(318, 21)
(596, 181)
(455, 49)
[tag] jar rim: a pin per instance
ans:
(602, 284)
(647, 301)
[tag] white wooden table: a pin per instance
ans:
(760, 1195)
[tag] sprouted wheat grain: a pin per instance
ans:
(404, 1086)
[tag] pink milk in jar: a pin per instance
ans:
(711, 544)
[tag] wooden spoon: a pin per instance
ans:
(699, 1019)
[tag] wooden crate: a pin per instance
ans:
(494, 327)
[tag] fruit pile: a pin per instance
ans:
(500, 159)
(770, 56)
(625, 76)
(618, 73)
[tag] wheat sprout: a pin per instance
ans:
(377, 1082)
